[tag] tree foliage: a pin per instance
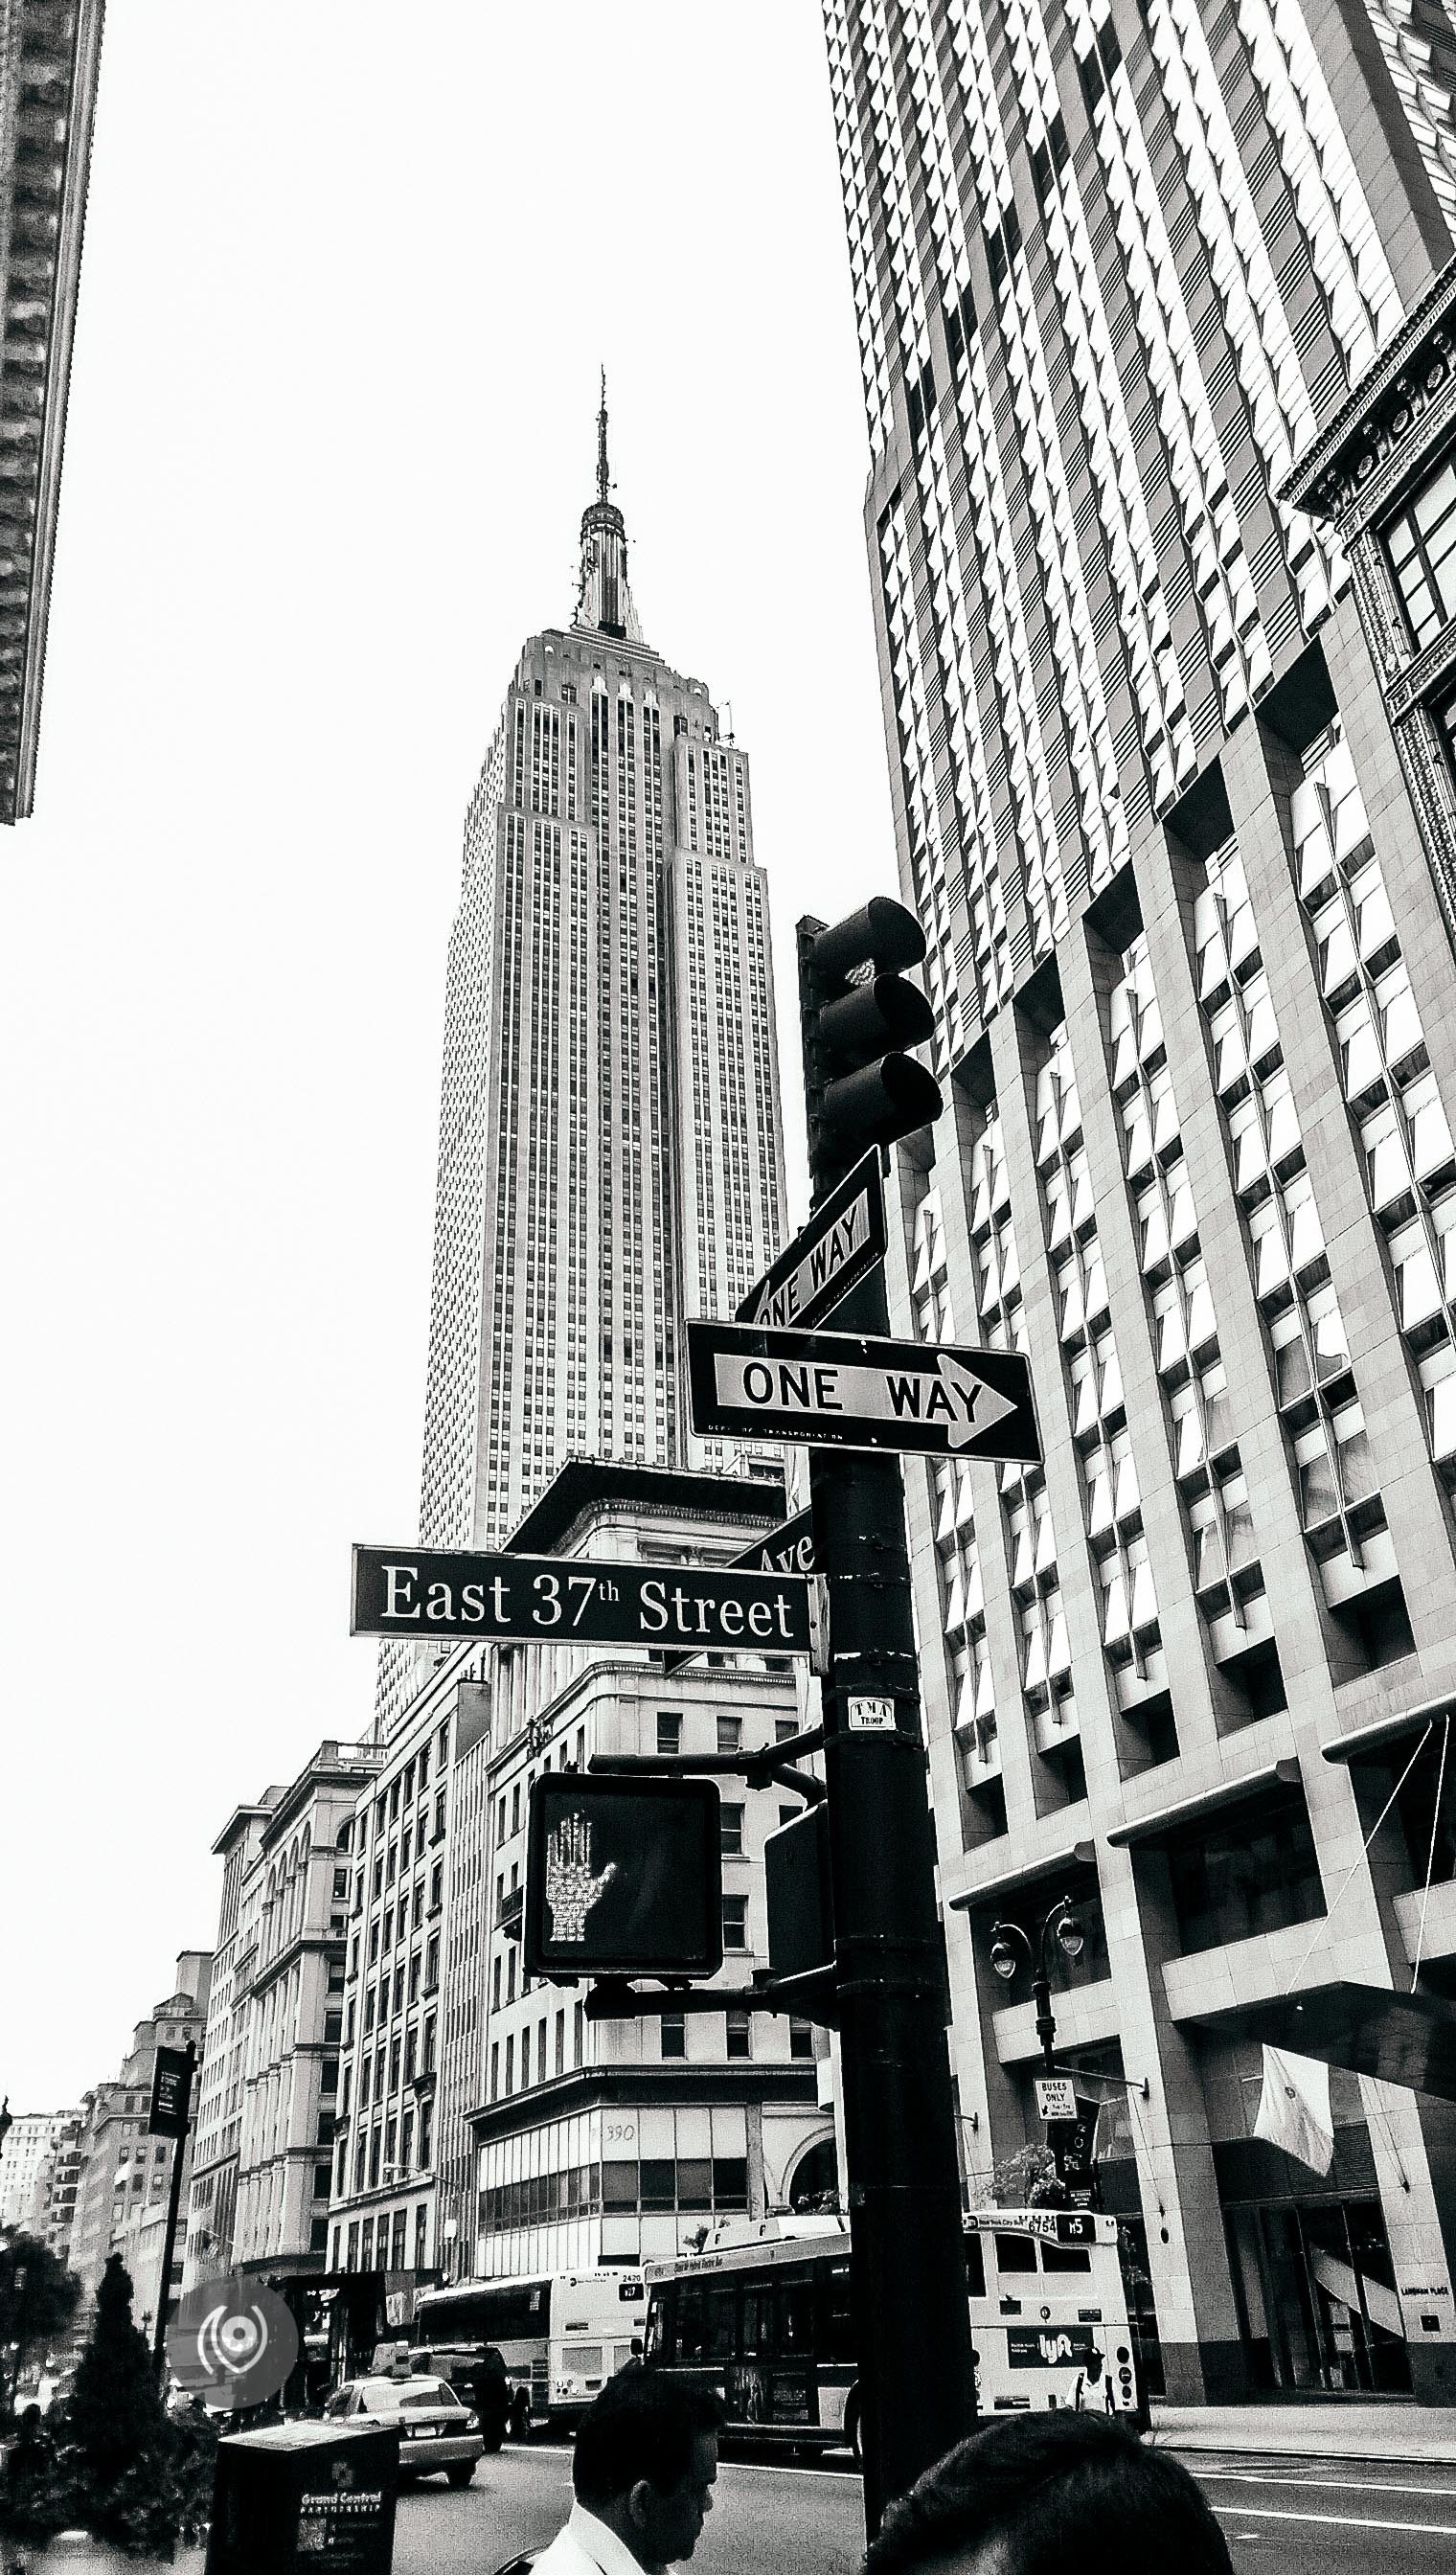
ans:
(115, 2414)
(38, 2298)
(112, 2459)
(1029, 2179)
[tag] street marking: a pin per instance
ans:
(1343, 2520)
(1360, 2485)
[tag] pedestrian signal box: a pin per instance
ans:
(624, 1877)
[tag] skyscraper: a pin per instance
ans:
(611, 1146)
(1154, 315)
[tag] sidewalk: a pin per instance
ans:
(1393, 2431)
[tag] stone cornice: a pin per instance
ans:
(1422, 674)
(1387, 421)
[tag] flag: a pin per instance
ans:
(1294, 2108)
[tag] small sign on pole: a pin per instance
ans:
(171, 2093)
(843, 1240)
(1056, 2096)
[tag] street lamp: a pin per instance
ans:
(1010, 1945)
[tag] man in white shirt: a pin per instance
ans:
(642, 2471)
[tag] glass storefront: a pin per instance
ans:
(1316, 2291)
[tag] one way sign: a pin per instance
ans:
(835, 1389)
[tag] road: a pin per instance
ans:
(1330, 2518)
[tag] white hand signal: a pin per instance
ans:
(571, 1889)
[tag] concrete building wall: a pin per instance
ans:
(1187, 889)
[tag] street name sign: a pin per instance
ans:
(835, 1389)
(843, 1242)
(558, 1601)
(790, 1548)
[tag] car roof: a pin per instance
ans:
(374, 2388)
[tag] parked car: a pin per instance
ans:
(437, 2428)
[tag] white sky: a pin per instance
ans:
(348, 277)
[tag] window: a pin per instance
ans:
(800, 2039)
(731, 1832)
(739, 2034)
(729, 1733)
(1421, 544)
(675, 2034)
(1249, 1870)
(669, 1731)
(736, 1923)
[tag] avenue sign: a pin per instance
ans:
(558, 1601)
(843, 1240)
(836, 1389)
(790, 1548)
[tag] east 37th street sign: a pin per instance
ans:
(558, 1601)
(836, 1389)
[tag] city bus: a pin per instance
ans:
(560, 2335)
(765, 2321)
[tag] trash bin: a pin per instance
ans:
(305, 2496)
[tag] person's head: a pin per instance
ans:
(1036, 2494)
(645, 2462)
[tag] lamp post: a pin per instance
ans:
(1010, 1945)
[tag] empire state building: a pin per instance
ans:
(610, 1141)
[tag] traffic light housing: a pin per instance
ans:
(624, 1877)
(858, 1016)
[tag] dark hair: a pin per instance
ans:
(641, 2426)
(1054, 2490)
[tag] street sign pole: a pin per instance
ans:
(907, 2252)
(908, 2256)
(169, 2241)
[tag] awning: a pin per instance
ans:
(1368, 1742)
(1027, 1873)
(1229, 1792)
(1403, 2038)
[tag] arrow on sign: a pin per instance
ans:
(838, 1391)
(946, 1393)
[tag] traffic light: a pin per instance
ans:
(858, 1016)
(624, 1877)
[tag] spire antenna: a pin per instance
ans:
(603, 484)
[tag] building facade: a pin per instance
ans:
(217, 2124)
(25, 2155)
(385, 2215)
(124, 2174)
(263, 2165)
(1152, 304)
(623, 2141)
(49, 64)
(461, 2082)
(53, 2208)
(610, 1141)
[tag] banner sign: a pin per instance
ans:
(171, 2093)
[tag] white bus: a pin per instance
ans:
(560, 2335)
(767, 2323)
